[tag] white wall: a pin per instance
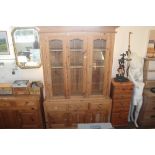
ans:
(139, 40)
(9, 64)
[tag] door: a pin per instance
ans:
(54, 58)
(76, 69)
(97, 64)
(8, 119)
(28, 119)
(2, 123)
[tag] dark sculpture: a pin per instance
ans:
(120, 77)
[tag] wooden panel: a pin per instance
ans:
(100, 116)
(120, 119)
(78, 117)
(59, 118)
(2, 121)
(28, 119)
(9, 119)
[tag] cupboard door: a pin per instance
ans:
(97, 57)
(2, 123)
(77, 65)
(28, 119)
(8, 119)
(56, 68)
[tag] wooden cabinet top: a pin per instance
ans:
(59, 29)
(122, 84)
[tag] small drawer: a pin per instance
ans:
(121, 96)
(20, 91)
(123, 90)
(119, 119)
(150, 116)
(57, 107)
(25, 103)
(150, 106)
(78, 106)
(97, 106)
(120, 107)
(4, 103)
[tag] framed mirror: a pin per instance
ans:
(26, 46)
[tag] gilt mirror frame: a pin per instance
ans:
(19, 64)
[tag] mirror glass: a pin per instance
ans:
(27, 50)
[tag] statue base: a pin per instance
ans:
(121, 78)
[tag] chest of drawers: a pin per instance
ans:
(147, 113)
(121, 94)
(20, 112)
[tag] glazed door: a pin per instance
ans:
(97, 64)
(77, 57)
(55, 66)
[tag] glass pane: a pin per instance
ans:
(76, 81)
(76, 52)
(97, 80)
(76, 44)
(99, 44)
(99, 48)
(55, 45)
(56, 53)
(58, 81)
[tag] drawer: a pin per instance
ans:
(119, 119)
(120, 107)
(123, 90)
(7, 103)
(150, 107)
(26, 103)
(20, 91)
(98, 106)
(149, 116)
(122, 96)
(150, 100)
(56, 107)
(76, 106)
(56, 117)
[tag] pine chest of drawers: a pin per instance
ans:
(121, 94)
(20, 112)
